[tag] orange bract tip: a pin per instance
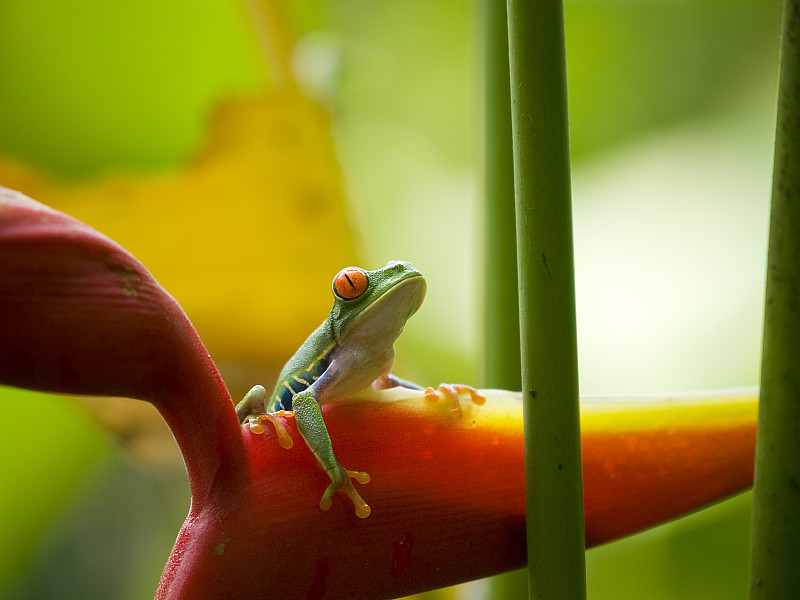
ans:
(350, 283)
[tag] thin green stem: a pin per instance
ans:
(501, 299)
(501, 303)
(776, 502)
(554, 494)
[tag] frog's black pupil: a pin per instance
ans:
(350, 281)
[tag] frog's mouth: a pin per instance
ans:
(385, 317)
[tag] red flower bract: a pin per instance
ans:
(78, 314)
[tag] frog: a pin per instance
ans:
(352, 350)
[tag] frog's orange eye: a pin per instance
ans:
(350, 283)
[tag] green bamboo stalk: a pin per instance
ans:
(776, 501)
(554, 494)
(501, 301)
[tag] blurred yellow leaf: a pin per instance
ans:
(246, 236)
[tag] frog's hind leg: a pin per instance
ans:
(312, 427)
(390, 380)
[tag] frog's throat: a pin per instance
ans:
(385, 317)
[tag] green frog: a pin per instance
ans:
(351, 350)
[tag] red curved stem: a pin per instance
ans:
(80, 315)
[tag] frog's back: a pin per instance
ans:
(303, 368)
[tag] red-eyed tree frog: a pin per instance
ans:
(351, 350)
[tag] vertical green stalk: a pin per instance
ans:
(776, 502)
(501, 301)
(554, 492)
(501, 304)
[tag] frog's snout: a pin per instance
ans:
(399, 265)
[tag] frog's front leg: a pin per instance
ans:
(253, 409)
(311, 425)
(253, 403)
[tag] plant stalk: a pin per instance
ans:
(501, 300)
(500, 294)
(554, 493)
(776, 501)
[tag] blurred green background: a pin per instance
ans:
(672, 116)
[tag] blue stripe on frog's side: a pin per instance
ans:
(299, 380)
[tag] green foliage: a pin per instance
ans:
(91, 86)
(51, 445)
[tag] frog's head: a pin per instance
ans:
(376, 303)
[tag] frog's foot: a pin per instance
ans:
(284, 439)
(452, 391)
(340, 478)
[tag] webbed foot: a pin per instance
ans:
(253, 409)
(452, 391)
(340, 478)
(284, 439)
